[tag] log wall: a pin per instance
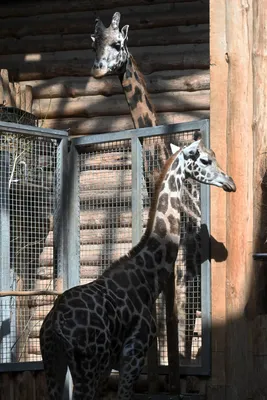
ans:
(51, 51)
(47, 46)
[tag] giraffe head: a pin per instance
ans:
(110, 46)
(201, 165)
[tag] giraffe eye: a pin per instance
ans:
(117, 46)
(205, 161)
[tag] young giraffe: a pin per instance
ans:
(109, 321)
(113, 57)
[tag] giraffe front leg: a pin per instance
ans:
(132, 362)
(133, 355)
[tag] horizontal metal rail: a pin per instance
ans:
(32, 130)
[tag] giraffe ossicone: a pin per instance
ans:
(93, 327)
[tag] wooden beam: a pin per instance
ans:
(218, 119)
(37, 8)
(91, 106)
(239, 39)
(165, 81)
(58, 42)
(79, 62)
(87, 126)
(138, 17)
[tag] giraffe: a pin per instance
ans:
(109, 321)
(113, 57)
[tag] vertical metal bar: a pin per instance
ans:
(5, 315)
(60, 258)
(73, 213)
(137, 203)
(205, 268)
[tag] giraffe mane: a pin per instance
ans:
(143, 83)
(135, 250)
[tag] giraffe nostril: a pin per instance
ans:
(100, 65)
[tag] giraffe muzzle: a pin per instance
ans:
(228, 185)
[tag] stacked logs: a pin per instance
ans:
(15, 94)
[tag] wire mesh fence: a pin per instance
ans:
(106, 231)
(27, 198)
(104, 228)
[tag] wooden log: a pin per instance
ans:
(7, 101)
(166, 81)
(97, 218)
(101, 235)
(92, 253)
(58, 42)
(18, 97)
(46, 273)
(78, 63)
(85, 126)
(30, 9)
(105, 160)
(114, 180)
(92, 106)
(138, 17)
(28, 98)
(239, 224)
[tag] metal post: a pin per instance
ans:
(5, 312)
(73, 215)
(60, 257)
(205, 269)
(137, 206)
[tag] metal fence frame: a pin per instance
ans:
(66, 245)
(60, 261)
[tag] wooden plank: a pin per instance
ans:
(29, 8)
(85, 126)
(218, 217)
(24, 386)
(7, 386)
(58, 42)
(257, 301)
(138, 17)
(239, 222)
(165, 81)
(79, 62)
(92, 106)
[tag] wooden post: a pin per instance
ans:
(259, 63)
(240, 204)
(218, 117)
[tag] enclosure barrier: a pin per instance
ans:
(70, 208)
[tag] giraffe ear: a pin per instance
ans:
(116, 20)
(174, 148)
(192, 149)
(93, 38)
(124, 32)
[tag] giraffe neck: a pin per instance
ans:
(141, 108)
(156, 253)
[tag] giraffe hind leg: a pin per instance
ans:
(55, 366)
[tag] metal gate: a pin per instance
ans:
(99, 210)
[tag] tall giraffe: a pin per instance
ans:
(109, 321)
(113, 57)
